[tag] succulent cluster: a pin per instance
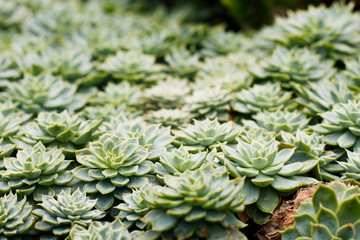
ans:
(133, 120)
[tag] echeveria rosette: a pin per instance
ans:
(109, 113)
(209, 103)
(280, 120)
(6, 150)
(351, 73)
(132, 66)
(351, 166)
(270, 172)
(59, 130)
(134, 208)
(332, 32)
(152, 136)
(44, 93)
(115, 230)
(8, 70)
(206, 135)
(332, 213)
(177, 161)
(262, 97)
(294, 66)
(173, 118)
(216, 67)
(182, 63)
(59, 214)
(36, 171)
(156, 44)
(313, 147)
(11, 14)
(111, 166)
(11, 123)
(341, 125)
(16, 218)
(200, 203)
(319, 97)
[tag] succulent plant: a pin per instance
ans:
(177, 161)
(111, 166)
(101, 231)
(269, 172)
(36, 171)
(332, 213)
(132, 66)
(166, 94)
(206, 134)
(11, 122)
(60, 213)
(216, 67)
(340, 125)
(11, 14)
(153, 44)
(312, 147)
(8, 70)
(15, 215)
(280, 120)
(351, 166)
(210, 102)
(321, 96)
(59, 130)
(330, 31)
(267, 96)
(134, 208)
(351, 71)
(6, 149)
(198, 203)
(182, 63)
(294, 65)
(173, 118)
(44, 93)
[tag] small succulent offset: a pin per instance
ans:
(196, 204)
(267, 96)
(166, 94)
(321, 96)
(58, 215)
(101, 231)
(280, 120)
(269, 172)
(173, 118)
(177, 161)
(112, 166)
(294, 65)
(312, 147)
(206, 135)
(182, 63)
(341, 125)
(131, 66)
(6, 150)
(351, 166)
(15, 216)
(332, 213)
(43, 93)
(210, 102)
(11, 122)
(36, 171)
(59, 130)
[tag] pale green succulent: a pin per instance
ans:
(182, 63)
(36, 171)
(101, 231)
(341, 126)
(111, 166)
(11, 14)
(294, 65)
(166, 94)
(8, 70)
(331, 213)
(131, 66)
(153, 44)
(210, 102)
(177, 161)
(351, 166)
(118, 94)
(109, 113)
(134, 208)
(173, 118)
(280, 120)
(195, 204)
(59, 130)
(313, 147)
(16, 218)
(11, 123)
(269, 171)
(206, 134)
(321, 96)
(330, 31)
(216, 68)
(60, 213)
(262, 97)
(187, 34)
(44, 93)
(6, 149)
(221, 42)
(352, 70)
